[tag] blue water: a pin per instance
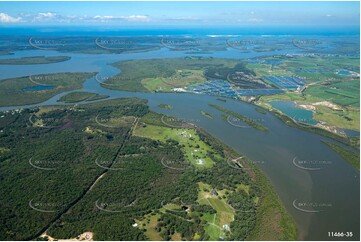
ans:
(179, 30)
(347, 73)
(38, 88)
(352, 133)
(290, 109)
(279, 146)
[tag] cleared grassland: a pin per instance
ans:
(224, 215)
(182, 78)
(348, 100)
(345, 93)
(268, 70)
(194, 149)
(149, 223)
(348, 118)
(163, 74)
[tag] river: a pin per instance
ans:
(318, 188)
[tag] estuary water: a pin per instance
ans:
(318, 188)
(291, 110)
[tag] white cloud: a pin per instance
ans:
(5, 18)
(183, 18)
(131, 18)
(51, 17)
(104, 17)
(47, 15)
(255, 20)
(328, 15)
(137, 18)
(44, 17)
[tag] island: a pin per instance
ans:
(76, 97)
(39, 88)
(34, 60)
(165, 106)
(330, 98)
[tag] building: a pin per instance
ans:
(214, 192)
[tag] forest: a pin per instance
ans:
(82, 168)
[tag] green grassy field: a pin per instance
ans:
(322, 68)
(224, 215)
(180, 79)
(194, 149)
(326, 84)
(164, 74)
(267, 70)
(346, 93)
(149, 223)
(13, 91)
(244, 187)
(348, 117)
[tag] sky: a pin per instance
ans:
(179, 13)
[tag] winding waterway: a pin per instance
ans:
(319, 189)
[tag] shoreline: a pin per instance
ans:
(344, 139)
(270, 201)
